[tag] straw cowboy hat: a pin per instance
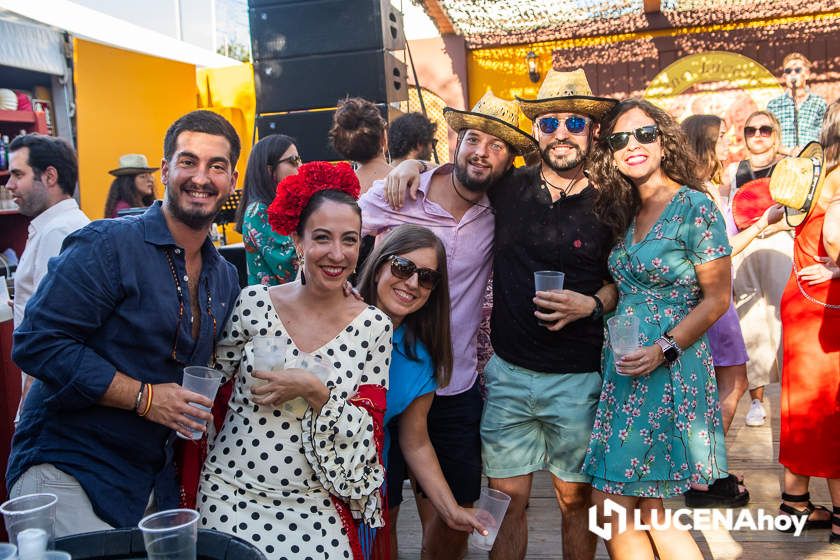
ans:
(496, 117)
(797, 182)
(566, 92)
(132, 164)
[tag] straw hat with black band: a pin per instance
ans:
(496, 117)
(797, 182)
(132, 164)
(566, 92)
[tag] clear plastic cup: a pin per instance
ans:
(623, 332)
(32, 511)
(170, 534)
(313, 364)
(56, 555)
(204, 381)
(8, 551)
(547, 281)
(490, 511)
(269, 352)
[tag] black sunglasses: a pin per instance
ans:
(404, 269)
(644, 135)
(765, 131)
(797, 70)
(294, 160)
(574, 124)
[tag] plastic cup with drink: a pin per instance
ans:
(29, 522)
(623, 332)
(204, 381)
(316, 365)
(490, 511)
(547, 281)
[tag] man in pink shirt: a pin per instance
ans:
(452, 202)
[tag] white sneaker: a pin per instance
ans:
(756, 415)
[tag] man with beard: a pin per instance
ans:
(544, 381)
(126, 305)
(453, 203)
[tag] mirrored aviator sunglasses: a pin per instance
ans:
(574, 124)
(404, 269)
(644, 135)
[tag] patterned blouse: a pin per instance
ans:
(270, 256)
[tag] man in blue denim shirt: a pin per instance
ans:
(124, 307)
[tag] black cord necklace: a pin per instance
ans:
(464, 198)
(563, 192)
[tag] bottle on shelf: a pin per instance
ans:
(4, 160)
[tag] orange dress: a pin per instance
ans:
(810, 438)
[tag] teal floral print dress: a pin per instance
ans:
(271, 257)
(655, 434)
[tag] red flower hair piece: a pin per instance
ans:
(294, 192)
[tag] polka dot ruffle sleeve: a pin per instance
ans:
(342, 446)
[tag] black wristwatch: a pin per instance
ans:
(669, 347)
(598, 312)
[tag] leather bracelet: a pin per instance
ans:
(139, 398)
(148, 401)
(423, 166)
(598, 312)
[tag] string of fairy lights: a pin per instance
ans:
(485, 23)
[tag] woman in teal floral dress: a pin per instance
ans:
(270, 256)
(658, 425)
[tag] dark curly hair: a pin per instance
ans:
(408, 132)
(618, 200)
(123, 188)
(358, 129)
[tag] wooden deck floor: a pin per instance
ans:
(752, 451)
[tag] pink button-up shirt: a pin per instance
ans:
(469, 257)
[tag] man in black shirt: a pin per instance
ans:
(544, 381)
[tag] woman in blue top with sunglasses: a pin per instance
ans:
(658, 425)
(405, 276)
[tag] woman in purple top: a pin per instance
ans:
(707, 137)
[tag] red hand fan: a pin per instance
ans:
(750, 201)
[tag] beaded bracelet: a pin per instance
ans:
(148, 401)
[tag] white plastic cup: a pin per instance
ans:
(623, 332)
(204, 381)
(170, 534)
(490, 511)
(35, 512)
(313, 364)
(8, 551)
(548, 280)
(269, 352)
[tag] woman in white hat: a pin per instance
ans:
(133, 185)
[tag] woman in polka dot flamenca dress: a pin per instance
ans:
(296, 483)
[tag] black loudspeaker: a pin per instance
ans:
(310, 130)
(292, 29)
(313, 82)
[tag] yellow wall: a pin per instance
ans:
(125, 101)
(230, 92)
